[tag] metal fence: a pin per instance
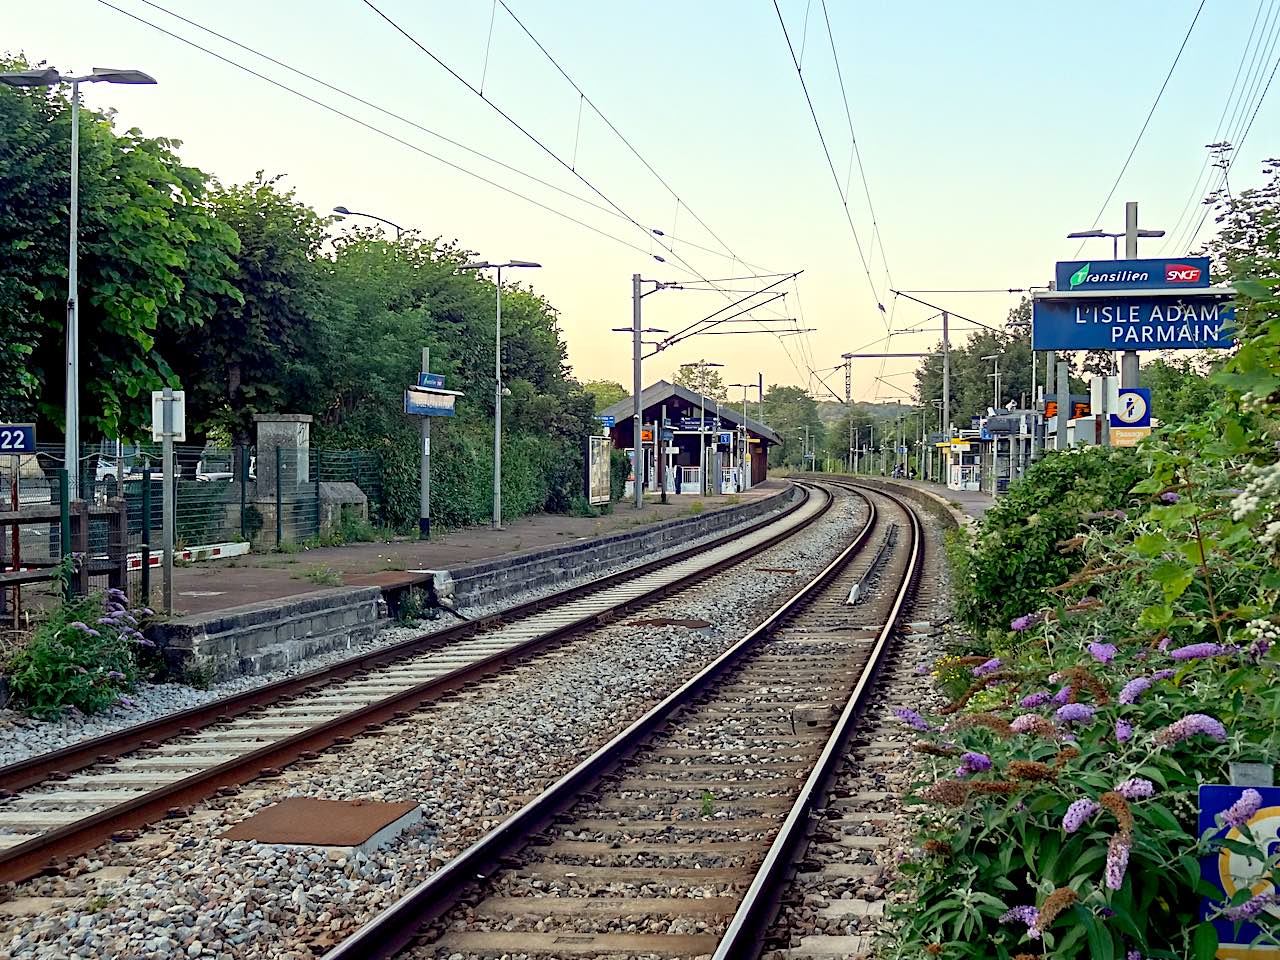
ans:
(221, 495)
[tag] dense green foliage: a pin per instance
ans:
(1069, 827)
(239, 295)
(1004, 571)
(83, 655)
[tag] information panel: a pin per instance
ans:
(598, 489)
(1109, 275)
(1132, 323)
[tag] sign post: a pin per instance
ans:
(427, 399)
(168, 423)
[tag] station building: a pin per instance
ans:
(735, 448)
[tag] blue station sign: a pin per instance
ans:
(1113, 275)
(606, 421)
(17, 438)
(1133, 323)
(434, 381)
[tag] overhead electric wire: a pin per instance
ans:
(618, 133)
(371, 127)
(1195, 193)
(827, 153)
(527, 133)
(1150, 113)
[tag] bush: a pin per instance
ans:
(619, 470)
(1004, 572)
(83, 656)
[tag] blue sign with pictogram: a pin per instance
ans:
(433, 380)
(1135, 408)
(725, 439)
(1193, 322)
(16, 438)
(1108, 275)
(1235, 869)
(606, 421)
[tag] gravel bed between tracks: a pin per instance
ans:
(22, 736)
(902, 685)
(469, 760)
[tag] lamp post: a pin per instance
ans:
(52, 78)
(742, 470)
(995, 402)
(702, 425)
(497, 380)
(1131, 234)
(343, 211)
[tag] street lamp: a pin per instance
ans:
(702, 424)
(1115, 250)
(343, 211)
(742, 470)
(995, 403)
(497, 381)
(51, 78)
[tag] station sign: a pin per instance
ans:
(177, 416)
(607, 421)
(646, 435)
(692, 423)
(724, 439)
(429, 402)
(16, 438)
(1079, 406)
(1133, 323)
(1231, 870)
(668, 434)
(433, 380)
(1112, 275)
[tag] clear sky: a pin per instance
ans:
(987, 132)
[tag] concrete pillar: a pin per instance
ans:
(290, 432)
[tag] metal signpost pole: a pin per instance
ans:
(424, 474)
(637, 386)
(1129, 358)
(660, 452)
(71, 430)
(167, 489)
(946, 375)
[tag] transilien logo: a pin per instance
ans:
(1080, 276)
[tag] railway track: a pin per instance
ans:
(59, 805)
(679, 838)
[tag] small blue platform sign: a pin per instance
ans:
(16, 438)
(433, 380)
(606, 421)
(1135, 408)
(1232, 870)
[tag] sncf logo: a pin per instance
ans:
(1181, 273)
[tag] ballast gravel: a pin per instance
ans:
(469, 760)
(22, 737)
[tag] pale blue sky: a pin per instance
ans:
(988, 131)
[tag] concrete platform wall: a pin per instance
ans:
(259, 637)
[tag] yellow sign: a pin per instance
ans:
(1128, 436)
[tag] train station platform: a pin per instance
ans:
(972, 503)
(213, 585)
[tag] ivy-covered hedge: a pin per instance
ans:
(1005, 569)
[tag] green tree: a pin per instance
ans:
(789, 411)
(153, 263)
(259, 354)
(605, 392)
(704, 380)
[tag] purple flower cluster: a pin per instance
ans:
(1117, 861)
(1242, 811)
(1077, 814)
(1124, 731)
(1136, 789)
(991, 666)
(1103, 652)
(1251, 907)
(1199, 651)
(971, 762)
(1169, 497)
(1028, 915)
(911, 718)
(1193, 724)
(1025, 622)
(83, 628)
(1164, 674)
(1134, 689)
(1024, 723)
(1033, 700)
(1075, 713)
(1063, 695)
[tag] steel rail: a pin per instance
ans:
(54, 764)
(397, 926)
(25, 860)
(745, 937)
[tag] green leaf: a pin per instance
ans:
(1204, 943)
(1081, 275)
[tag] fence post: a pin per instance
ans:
(279, 496)
(64, 517)
(242, 457)
(146, 535)
(319, 454)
